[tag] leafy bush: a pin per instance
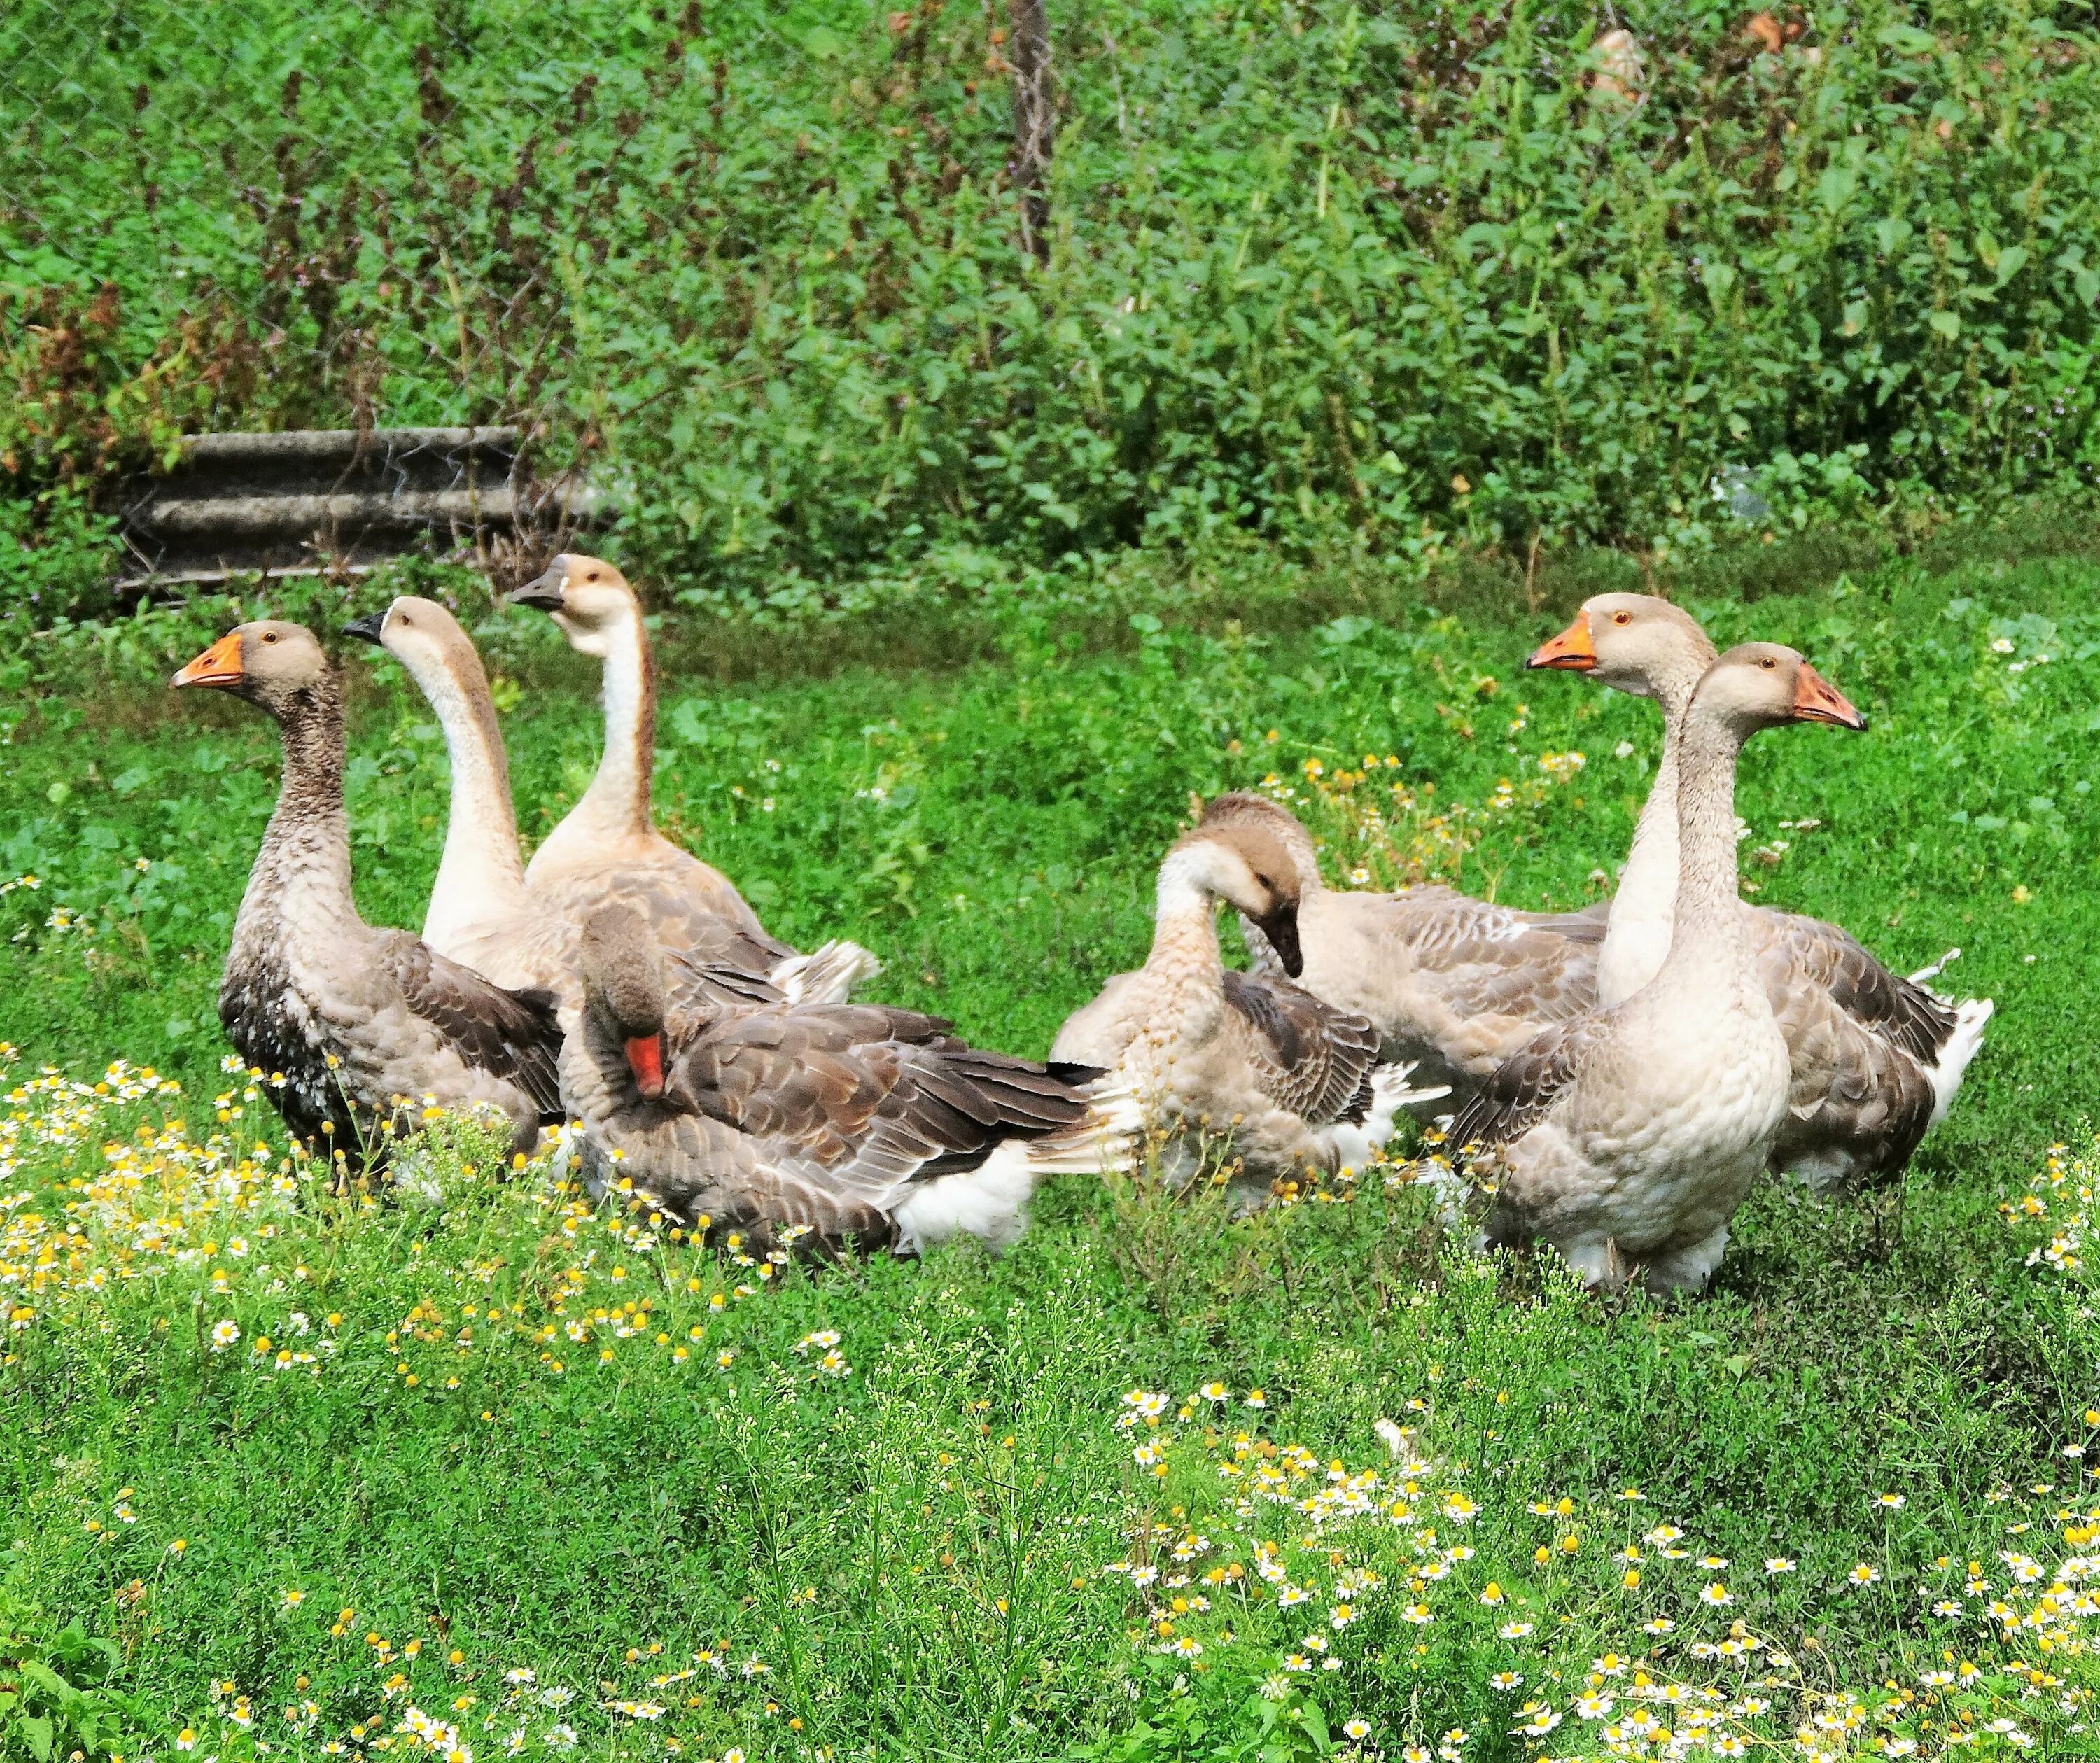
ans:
(1389, 275)
(56, 1699)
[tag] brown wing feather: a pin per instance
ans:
(765, 1195)
(1497, 962)
(866, 1094)
(679, 922)
(512, 1034)
(1897, 1010)
(1523, 1088)
(1312, 1058)
(1852, 1094)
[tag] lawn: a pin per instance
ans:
(472, 1468)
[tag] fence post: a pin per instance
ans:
(1035, 122)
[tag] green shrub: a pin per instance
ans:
(1383, 274)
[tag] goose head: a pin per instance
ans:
(1241, 807)
(427, 639)
(276, 666)
(1761, 685)
(586, 596)
(1246, 865)
(624, 990)
(1634, 643)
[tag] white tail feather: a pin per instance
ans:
(1926, 975)
(990, 1201)
(825, 975)
(1971, 1016)
(1354, 1142)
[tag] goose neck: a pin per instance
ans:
(1637, 934)
(1184, 934)
(618, 798)
(480, 874)
(1707, 934)
(306, 848)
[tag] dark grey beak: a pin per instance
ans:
(367, 629)
(543, 592)
(1281, 928)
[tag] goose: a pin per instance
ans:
(1627, 1138)
(1877, 1058)
(606, 849)
(1292, 1083)
(1453, 985)
(482, 912)
(366, 1026)
(838, 1121)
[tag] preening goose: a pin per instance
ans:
(1877, 1058)
(1293, 1082)
(481, 912)
(836, 1120)
(364, 1025)
(1628, 1137)
(1453, 985)
(606, 850)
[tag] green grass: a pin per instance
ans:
(916, 1549)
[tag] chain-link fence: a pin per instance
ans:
(817, 293)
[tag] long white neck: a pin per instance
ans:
(480, 876)
(1709, 955)
(616, 804)
(1637, 934)
(1185, 933)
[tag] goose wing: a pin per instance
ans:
(662, 891)
(1309, 1056)
(511, 1035)
(1523, 1088)
(1897, 1010)
(869, 1098)
(1857, 1104)
(1500, 961)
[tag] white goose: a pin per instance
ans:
(835, 1121)
(360, 1026)
(481, 911)
(1292, 1083)
(1454, 985)
(1628, 1137)
(1877, 1058)
(606, 850)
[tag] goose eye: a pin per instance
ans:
(1622, 617)
(269, 637)
(593, 576)
(1767, 664)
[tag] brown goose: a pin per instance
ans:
(838, 1121)
(1627, 1138)
(1453, 985)
(606, 850)
(481, 912)
(1292, 1083)
(1877, 1058)
(366, 1026)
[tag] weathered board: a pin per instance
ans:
(343, 500)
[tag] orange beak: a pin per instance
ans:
(645, 1059)
(1572, 649)
(1816, 699)
(218, 665)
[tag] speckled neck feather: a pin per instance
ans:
(307, 846)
